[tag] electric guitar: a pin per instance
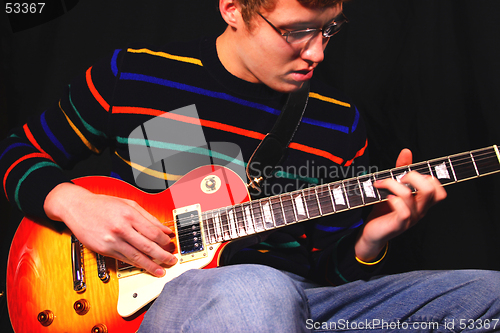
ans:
(55, 284)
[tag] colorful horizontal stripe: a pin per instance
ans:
(31, 138)
(287, 245)
(358, 154)
(167, 55)
(178, 147)
(86, 142)
(317, 152)
(356, 120)
(26, 174)
(87, 126)
(189, 120)
(328, 99)
(327, 228)
(14, 145)
(94, 91)
(150, 172)
(24, 158)
(288, 175)
(114, 65)
(52, 137)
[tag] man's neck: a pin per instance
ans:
(227, 51)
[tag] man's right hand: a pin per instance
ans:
(112, 226)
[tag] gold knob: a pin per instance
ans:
(82, 306)
(100, 328)
(45, 317)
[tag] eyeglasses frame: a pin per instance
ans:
(323, 30)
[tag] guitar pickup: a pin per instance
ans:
(79, 284)
(190, 233)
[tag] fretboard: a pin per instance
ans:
(269, 213)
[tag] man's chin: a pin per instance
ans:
(289, 86)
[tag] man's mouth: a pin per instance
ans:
(303, 75)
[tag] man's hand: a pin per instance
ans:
(401, 211)
(111, 226)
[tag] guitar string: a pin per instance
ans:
(350, 189)
(456, 159)
(355, 184)
(234, 228)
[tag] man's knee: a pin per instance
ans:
(251, 282)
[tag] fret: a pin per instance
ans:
(442, 170)
(304, 199)
(225, 225)
(368, 190)
(218, 227)
(208, 227)
(249, 220)
(300, 208)
(311, 201)
(240, 220)
(422, 168)
(382, 192)
(399, 173)
(205, 227)
(361, 193)
(486, 161)
(452, 169)
(325, 199)
(317, 200)
(475, 166)
(288, 210)
(268, 216)
(353, 191)
(464, 166)
(277, 211)
(257, 216)
(232, 224)
(338, 195)
(430, 169)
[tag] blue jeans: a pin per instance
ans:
(255, 298)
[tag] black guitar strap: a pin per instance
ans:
(271, 150)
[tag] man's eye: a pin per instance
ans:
(301, 34)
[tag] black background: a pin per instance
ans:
(425, 74)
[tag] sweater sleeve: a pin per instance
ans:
(334, 237)
(33, 157)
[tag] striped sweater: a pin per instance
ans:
(165, 111)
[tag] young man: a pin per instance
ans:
(238, 83)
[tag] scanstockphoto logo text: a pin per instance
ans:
(377, 324)
(306, 175)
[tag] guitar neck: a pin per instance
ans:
(269, 213)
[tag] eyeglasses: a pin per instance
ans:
(300, 36)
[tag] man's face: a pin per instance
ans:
(266, 57)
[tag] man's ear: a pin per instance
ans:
(230, 12)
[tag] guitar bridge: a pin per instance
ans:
(190, 233)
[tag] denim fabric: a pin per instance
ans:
(255, 298)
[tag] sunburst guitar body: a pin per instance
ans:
(55, 284)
